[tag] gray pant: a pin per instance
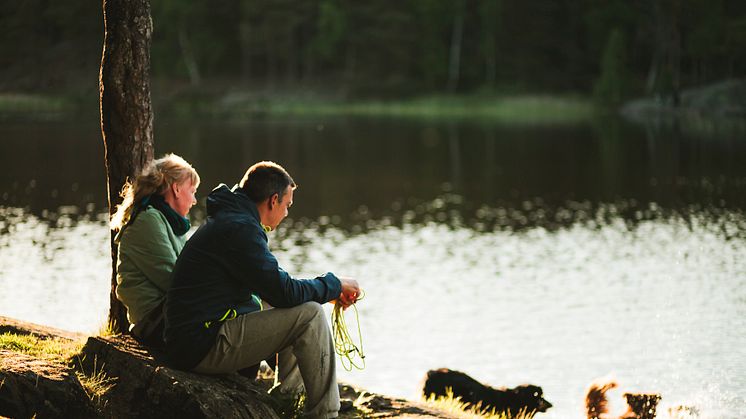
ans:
(300, 335)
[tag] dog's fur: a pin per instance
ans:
(640, 405)
(596, 403)
(524, 398)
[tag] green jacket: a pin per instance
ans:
(148, 249)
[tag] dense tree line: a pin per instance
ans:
(377, 47)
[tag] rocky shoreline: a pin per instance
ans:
(131, 382)
(722, 101)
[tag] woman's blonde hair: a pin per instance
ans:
(156, 178)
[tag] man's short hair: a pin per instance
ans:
(265, 179)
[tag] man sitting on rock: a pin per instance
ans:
(214, 318)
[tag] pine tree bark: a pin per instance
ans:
(126, 113)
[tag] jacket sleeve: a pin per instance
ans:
(262, 274)
(150, 249)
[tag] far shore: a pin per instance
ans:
(246, 105)
(717, 104)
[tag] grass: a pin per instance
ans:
(66, 353)
(57, 350)
(107, 329)
(456, 407)
(289, 406)
(32, 103)
(96, 384)
(519, 109)
(504, 108)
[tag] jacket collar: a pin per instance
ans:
(251, 208)
(233, 200)
(246, 203)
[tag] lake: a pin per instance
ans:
(550, 255)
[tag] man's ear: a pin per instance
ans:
(273, 200)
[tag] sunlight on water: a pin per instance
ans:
(54, 271)
(659, 302)
(660, 305)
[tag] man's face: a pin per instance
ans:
(279, 210)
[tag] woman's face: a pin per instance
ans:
(185, 196)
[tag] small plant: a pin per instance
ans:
(288, 406)
(107, 329)
(96, 384)
(464, 410)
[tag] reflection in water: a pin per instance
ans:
(552, 296)
(550, 255)
(53, 270)
(343, 164)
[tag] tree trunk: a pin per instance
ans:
(454, 66)
(675, 58)
(490, 14)
(126, 114)
(188, 55)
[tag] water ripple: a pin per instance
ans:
(556, 296)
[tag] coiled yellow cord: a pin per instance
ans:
(343, 344)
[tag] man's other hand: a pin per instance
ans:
(350, 292)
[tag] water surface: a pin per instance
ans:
(549, 255)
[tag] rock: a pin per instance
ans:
(726, 98)
(370, 405)
(144, 387)
(31, 387)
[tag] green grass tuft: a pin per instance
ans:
(60, 350)
(107, 329)
(20, 103)
(66, 353)
(456, 407)
(96, 383)
(526, 109)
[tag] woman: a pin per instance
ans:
(152, 227)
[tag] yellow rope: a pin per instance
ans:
(343, 344)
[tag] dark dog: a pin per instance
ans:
(640, 405)
(524, 398)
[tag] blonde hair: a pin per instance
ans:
(155, 178)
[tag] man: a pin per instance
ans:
(214, 317)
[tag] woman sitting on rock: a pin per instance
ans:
(152, 227)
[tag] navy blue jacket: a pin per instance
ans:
(219, 273)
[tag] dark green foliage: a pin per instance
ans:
(612, 86)
(330, 30)
(378, 48)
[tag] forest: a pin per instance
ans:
(611, 49)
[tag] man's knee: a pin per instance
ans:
(312, 309)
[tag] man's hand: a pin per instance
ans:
(350, 292)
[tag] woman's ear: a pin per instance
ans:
(175, 189)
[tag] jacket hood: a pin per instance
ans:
(224, 199)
